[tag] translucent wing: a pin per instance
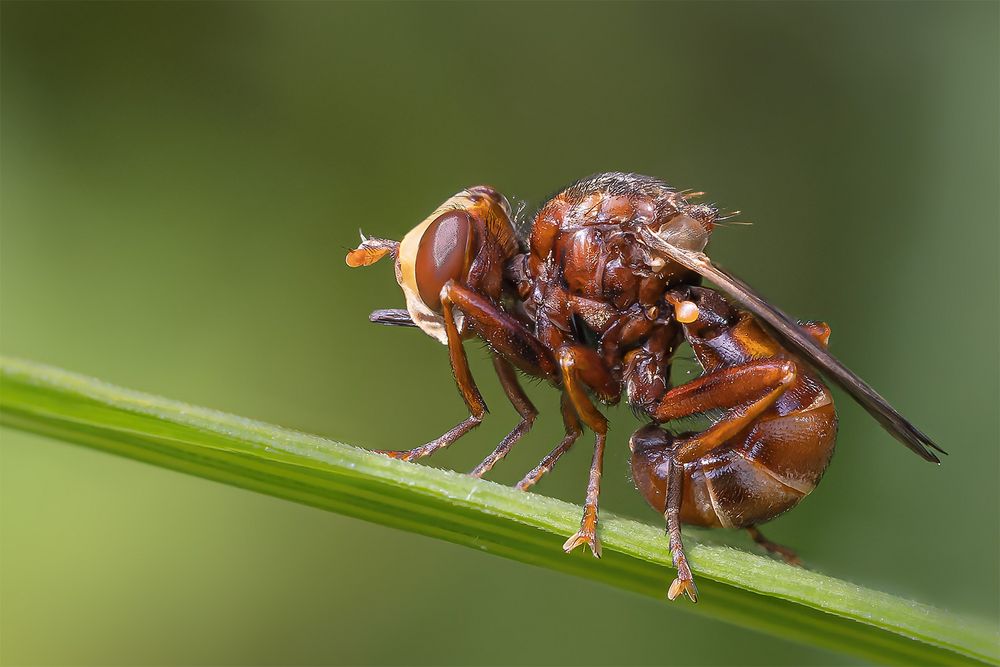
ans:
(792, 336)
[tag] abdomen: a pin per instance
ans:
(763, 472)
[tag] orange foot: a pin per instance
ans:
(587, 537)
(792, 559)
(402, 455)
(685, 587)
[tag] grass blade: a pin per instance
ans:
(737, 587)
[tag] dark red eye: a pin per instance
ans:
(443, 255)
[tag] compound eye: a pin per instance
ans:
(443, 255)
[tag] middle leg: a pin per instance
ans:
(582, 368)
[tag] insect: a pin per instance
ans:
(595, 297)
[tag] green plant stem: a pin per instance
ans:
(737, 587)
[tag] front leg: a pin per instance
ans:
(573, 431)
(466, 386)
(521, 403)
(512, 342)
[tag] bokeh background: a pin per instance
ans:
(180, 182)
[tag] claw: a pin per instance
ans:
(792, 560)
(584, 537)
(685, 587)
(403, 455)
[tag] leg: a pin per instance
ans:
(744, 391)
(466, 386)
(588, 524)
(820, 331)
(505, 335)
(521, 403)
(573, 431)
(502, 332)
(684, 583)
(582, 367)
(456, 432)
(786, 554)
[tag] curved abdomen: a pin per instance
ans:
(763, 472)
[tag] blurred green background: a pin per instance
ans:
(180, 182)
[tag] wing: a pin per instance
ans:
(791, 335)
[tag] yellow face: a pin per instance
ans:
(441, 248)
(410, 281)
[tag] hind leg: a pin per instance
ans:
(744, 392)
(684, 583)
(660, 477)
(786, 554)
